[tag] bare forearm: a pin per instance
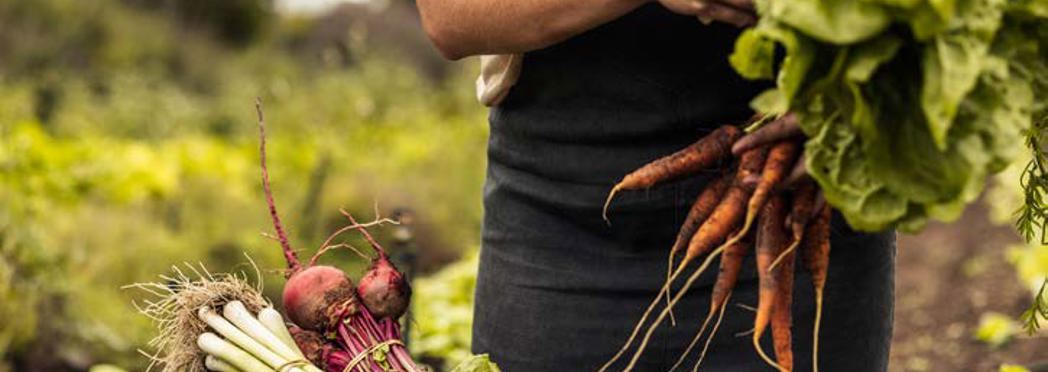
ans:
(461, 28)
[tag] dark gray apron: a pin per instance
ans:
(558, 289)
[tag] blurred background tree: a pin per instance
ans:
(128, 145)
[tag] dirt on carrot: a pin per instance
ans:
(815, 255)
(771, 240)
(704, 153)
(781, 315)
(801, 209)
(700, 210)
(726, 217)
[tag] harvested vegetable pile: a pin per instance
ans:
(890, 111)
(218, 322)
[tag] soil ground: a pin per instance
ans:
(947, 277)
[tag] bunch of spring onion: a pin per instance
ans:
(186, 304)
(238, 341)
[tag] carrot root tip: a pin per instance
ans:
(815, 335)
(792, 247)
(694, 341)
(760, 350)
(709, 339)
(607, 203)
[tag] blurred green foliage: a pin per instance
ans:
(1030, 259)
(996, 329)
(444, 302)
(1012, 368)
(128, 144)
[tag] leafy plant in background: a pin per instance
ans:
(448, 296)
(1030, 259)
(996, 329)
(1012, 368)
(1033, 316)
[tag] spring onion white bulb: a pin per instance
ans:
(274, 322)
(212, 363)
(214, 345)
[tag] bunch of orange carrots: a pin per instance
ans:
(758, 182)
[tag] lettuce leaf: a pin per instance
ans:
(832, 21)
(953, 61)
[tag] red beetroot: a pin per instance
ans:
(315, 297)
(383, 289)
(311, 343)
(318, 351)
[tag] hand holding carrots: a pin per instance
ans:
(780, 129)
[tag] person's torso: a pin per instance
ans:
(586, 111)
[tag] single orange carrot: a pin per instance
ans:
(706, 152)
(780, 161)
(704, 205)
(782, 313)
(771, 239)
(802, 208)
(816, 251)
(730, 266)
(815, 255)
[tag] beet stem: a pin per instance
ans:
(367, 235)
(360, 334)
(293, 265)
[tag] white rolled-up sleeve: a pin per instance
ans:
(498, 73)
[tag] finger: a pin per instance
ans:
(782, 128)
(727, 14)
(686, 7)
(751, 181)
(820, 201)
(798, 173)
(743, 5)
